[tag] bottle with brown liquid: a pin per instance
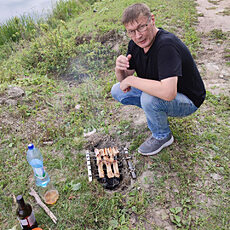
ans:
(25, 214)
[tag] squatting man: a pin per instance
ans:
(167, 81)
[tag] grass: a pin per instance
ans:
(221, 37)
(214, 2)
(27, 28)
(225, 12)
(188, 181)
(218, 34)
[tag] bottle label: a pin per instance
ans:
(28, 221)
(23, 222)
(39, 172)
(31, 219)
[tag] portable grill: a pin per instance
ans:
(109, 166)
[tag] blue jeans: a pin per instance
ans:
(156, 110)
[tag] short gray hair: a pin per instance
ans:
(132, 12)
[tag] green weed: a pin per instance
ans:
(225, 12)
(215, 2)
(218, 34)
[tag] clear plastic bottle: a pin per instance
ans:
(45, 187)
(35, 159)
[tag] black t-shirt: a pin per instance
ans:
(169, 57)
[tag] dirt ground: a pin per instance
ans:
(211, 61)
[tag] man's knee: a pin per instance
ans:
(149, 102)
(115, 91)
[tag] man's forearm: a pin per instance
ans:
(165, 89)
(120, 74)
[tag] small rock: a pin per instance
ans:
(15, 92)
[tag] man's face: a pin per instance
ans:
(141, 31)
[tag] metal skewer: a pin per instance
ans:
(130, 165)
(89, 166)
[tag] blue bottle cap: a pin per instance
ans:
(30, 146)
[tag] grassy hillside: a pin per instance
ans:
(65, 65)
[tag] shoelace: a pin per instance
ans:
(151, 140)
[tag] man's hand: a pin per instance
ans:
(125, 85)
(122, 65)
(122, 62)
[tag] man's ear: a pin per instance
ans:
(153, 19)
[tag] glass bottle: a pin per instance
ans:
(25, 214)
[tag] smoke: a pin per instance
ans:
(90, 62)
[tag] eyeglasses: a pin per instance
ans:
(140, 29)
